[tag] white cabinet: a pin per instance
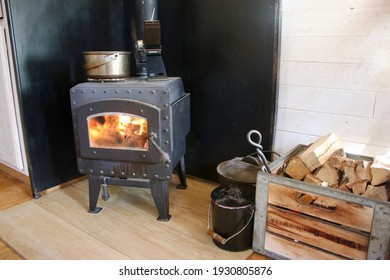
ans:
(12, 152)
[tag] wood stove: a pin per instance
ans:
(131, 132)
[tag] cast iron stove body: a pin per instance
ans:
(131, 133)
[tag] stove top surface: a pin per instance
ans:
(173, 85)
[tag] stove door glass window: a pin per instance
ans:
(118, 131)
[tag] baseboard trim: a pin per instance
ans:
(18, 175)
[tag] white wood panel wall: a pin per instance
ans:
(335, 74)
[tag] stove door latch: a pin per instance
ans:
(164, 156)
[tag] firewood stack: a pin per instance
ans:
(324, 163)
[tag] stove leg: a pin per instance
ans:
(94, 189)
(160, 193)
(181, 172)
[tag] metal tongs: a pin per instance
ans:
(259, 149)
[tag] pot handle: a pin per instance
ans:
(220, 238)
(103, 61)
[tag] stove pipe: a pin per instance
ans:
(144, 10)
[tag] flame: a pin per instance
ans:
(118, 131)
(139, 125)
(124, 121)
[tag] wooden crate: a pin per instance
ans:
(357, 228)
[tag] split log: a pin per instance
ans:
(350, 172)
(337, 159)
(380, 170)
(363, 169)
(296, 169)
(359, 187)
(329, 174)
(343, 188)
(378, 193)
(325, 202)
(320, 151)
(311, 179)
(304, 198)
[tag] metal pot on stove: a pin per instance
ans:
(107, 65)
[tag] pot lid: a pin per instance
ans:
(239, 169)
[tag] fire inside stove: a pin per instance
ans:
(118, 131)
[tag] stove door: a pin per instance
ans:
(119, 130)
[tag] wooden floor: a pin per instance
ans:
(57, 226)
(12, 192)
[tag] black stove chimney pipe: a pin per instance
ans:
(144, 10)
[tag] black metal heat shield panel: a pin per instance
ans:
(48, 38)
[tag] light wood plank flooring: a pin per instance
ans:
(12, 192)
(57, 226)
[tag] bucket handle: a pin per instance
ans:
(220, 238)
(103, 61)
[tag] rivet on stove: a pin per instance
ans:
(94, 152)
(166, 118)
(117, 91)
(81, 170)
(168, 177)
(112, 172)
(166, 142)
(90, 109)
(129, 91)
(143, 155)
(156, 176)
(94, 91)
(166, 130)
(123, 173)
(140, 92)
(153, 92)
(83, 91)
(167, 165)
(165, 105)
(91, 171)
(105, 91)
(141, 111)
(165, 92)
(74, 103)
(101, 171)
(133, 174)
(144, 175)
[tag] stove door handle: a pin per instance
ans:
(164, 156)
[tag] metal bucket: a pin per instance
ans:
(232, 209)
(107, 64)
